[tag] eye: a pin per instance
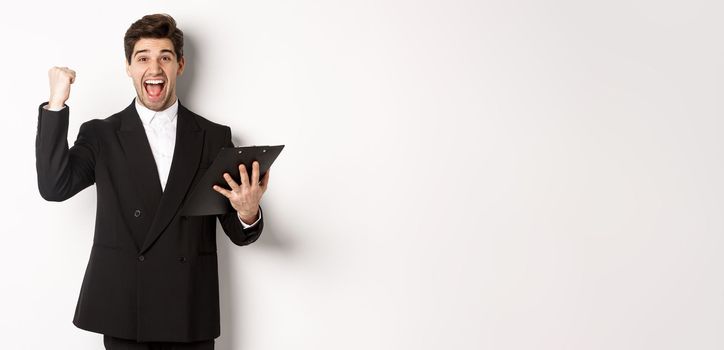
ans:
(142, 59)
(166, 58)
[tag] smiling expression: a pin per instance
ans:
(154, 68)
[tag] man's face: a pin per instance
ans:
(154, 68)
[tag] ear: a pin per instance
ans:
(181, 65)
(128, 67)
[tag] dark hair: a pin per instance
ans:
(158, 26)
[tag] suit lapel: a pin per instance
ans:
(185, 162)
(140, 162)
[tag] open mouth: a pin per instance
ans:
(154, 87)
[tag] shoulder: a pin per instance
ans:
(111, 123)
(204, 123)
(103, 128)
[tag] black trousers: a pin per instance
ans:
(113, 343)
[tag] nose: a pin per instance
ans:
(154, 67)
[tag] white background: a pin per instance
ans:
(457, 174)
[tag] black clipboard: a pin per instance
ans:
(204, 200)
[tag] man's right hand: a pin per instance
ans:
(60, 79)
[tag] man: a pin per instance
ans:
(152, 278)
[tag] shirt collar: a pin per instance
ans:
(148, 115)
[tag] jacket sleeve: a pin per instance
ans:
(63, 171)
(232, 225)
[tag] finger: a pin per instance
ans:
(224, 192)
(244, 175)
(265, 180)
(255, 173)
(230, 180)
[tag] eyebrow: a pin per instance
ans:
(147, 50)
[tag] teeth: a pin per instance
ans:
(154, 81)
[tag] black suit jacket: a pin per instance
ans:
(152, 273)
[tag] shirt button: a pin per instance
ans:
(137, 213)
(141, 258)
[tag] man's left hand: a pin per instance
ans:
(245, 197)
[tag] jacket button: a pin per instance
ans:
(137, 213)
(182, 259)
(141, 258)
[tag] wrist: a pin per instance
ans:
(248, 218)
(56, 104)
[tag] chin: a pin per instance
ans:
(154, 106)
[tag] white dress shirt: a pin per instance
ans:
(160, 130)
